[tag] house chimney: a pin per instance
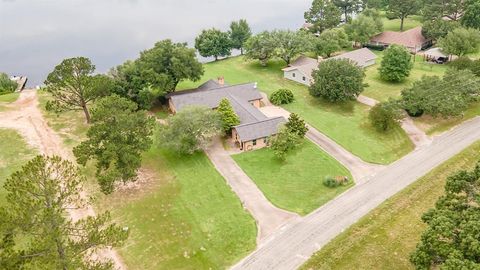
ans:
(221, 80)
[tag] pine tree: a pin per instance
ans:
(296, 125)
(37, 201)
(228, 115)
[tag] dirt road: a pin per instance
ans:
(25, 117)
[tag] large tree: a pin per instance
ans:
(190, 130)
(323, 14)
(213, 42)
(116, 140)
(471, 16)
(35, 229)
(239, 34)
(156, 72)
(330, 41)
(261, 47)
(401, 9)
(396, 64)
(451, 240)
(227, 114)
(73, 86)
(364, 27)
(337, 80)
(290, 43)
(174, 60)
(447, 97)
(460, 41)
(438, 9)
(437, 29)
(348, 7)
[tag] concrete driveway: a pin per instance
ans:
(291, 247)
(269, 218)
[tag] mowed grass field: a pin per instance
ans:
(345, 123)
(183, 216)
(394, 25)
(14, 153)
(297, 183)
(385, 237)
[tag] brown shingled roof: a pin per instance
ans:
(411, 38)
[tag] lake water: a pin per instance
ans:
(35, 35)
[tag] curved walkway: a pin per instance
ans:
(291, 247)
(359, 169)
(25, 117)
(269, 218)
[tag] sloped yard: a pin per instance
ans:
(297, 183)
(347, 123)
(181, 215)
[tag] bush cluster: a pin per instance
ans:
(333, 182)
(282, 96)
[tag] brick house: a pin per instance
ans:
(255, 128)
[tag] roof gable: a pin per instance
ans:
(411, 38)
(260, 129)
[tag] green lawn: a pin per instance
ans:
(14, 153)
(184, 217)
(381, 90)
(346, 123)
(394, 25)
(385, 237)
(296, 184)
(7, 98)
(188, 218)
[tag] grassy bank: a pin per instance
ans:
(345, 123)
(296, 184)
(385, 237)
(14, 153)
(182, 216)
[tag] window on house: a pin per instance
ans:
(254, 142)
(293, 75)
(265, 140)
(303, 78)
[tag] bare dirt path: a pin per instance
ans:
(296, 242)
(269, 218)
(359, 169)
(25, 117)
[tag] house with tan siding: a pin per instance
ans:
(255, 128)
